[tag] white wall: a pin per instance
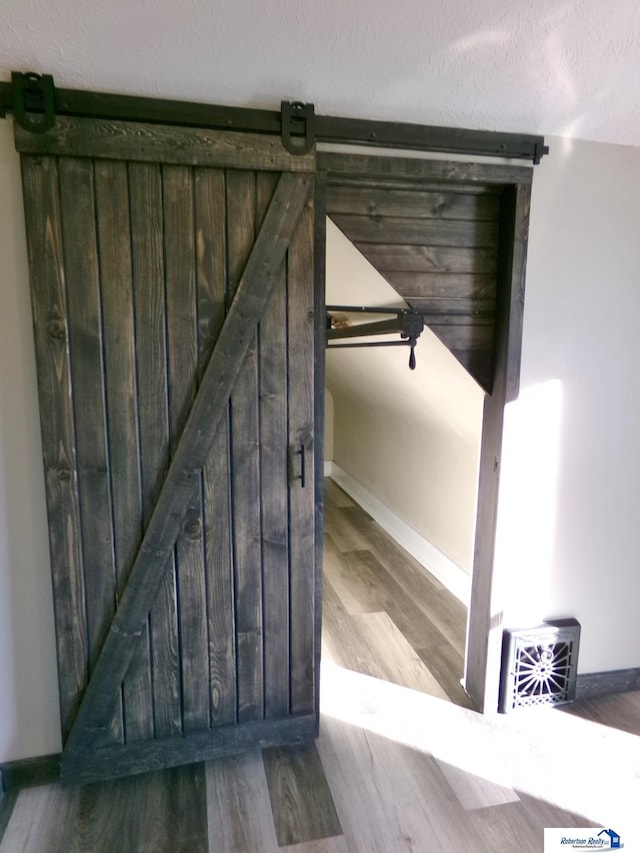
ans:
(411, 438)
(580, 380)
(569, 521)
(29, 716)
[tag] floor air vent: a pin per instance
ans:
(539, 665)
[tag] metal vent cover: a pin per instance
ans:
(539, 665)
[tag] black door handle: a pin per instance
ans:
(303, 457)
(302, 476)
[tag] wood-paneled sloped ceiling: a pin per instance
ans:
(436, 243)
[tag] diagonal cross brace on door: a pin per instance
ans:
(151, 562)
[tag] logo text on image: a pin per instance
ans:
(581, 838)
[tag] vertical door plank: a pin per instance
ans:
(220, 582)
(301, 434)
(245, 463)
(182, 331)
(210, 228)
(87, 372)
(148, 283)
(46, 263)
(114, 239)
(211, 254)
(273, 484)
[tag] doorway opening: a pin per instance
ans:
(401, 466)
(450, 238)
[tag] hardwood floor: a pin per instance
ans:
(402, 762)
(384, 616)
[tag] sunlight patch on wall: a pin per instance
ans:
(528, 503)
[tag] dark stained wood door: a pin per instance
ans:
(173, 288)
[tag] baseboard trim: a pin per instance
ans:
(456, 580)
(30, 772)
(328, 468)
(592, 684)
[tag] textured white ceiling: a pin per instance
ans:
(536, 66)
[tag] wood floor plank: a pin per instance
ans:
(389, 805)
(364, 586)
(372, 645)
(238, 805)
(402, 567)
(42, 821)
(345, 536)
(390, 553)
(621, 711)
(477, 770)
(522, 821)
(411, 776)
(442, 608)
(440, 829)
(7, 804)
(347, 761)
(337, 573)
(541, 813)
(162, 812)
(434, 621)
(335, 609)
(335, 495)
(354, 579)
(462, 743)
(448, 668)
(301, 801)
(475, 792)
(335, 844)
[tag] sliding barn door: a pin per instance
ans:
(172, 289)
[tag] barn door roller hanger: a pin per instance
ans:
(31, 98)
(35, 102)
(409, 324)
